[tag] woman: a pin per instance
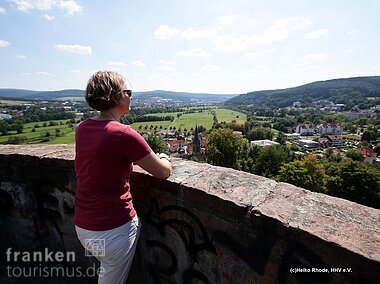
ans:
(105, 220)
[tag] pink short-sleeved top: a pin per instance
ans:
(105, 152)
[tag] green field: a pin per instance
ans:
(229, 115)
(189, 120)
(164, 124)
(66, 132)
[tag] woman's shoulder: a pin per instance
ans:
(120, 127)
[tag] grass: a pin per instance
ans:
(229, 115)
(35, 137)
(163, 123)
(189, 120)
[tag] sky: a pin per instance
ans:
(213, 46)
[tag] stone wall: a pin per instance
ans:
(205, 224)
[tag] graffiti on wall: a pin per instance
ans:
(192, 233)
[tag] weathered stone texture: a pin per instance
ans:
(205, 224)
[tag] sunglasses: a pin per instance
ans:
(128, 92)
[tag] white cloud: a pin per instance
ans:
(312, 59)
(4, 43)
(277, 32)
(315, 34)
(166, 62)
(75, 71)
(47, 17)
(20, 56)
(25, 74)
(230, 43)
(44, 73)
(195, 52)
(164, 32)
(281, 30)
(69, 6)
(2, 10)
(74, 48)
(138, 63)
(210, 68)
(191, 33)
(349, 33)
(116, 63)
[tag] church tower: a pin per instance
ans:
(196, 142)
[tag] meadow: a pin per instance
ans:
(202, 117)
(64, 129)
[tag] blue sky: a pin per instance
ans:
(214, 46)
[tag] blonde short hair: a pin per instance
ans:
(104, 90)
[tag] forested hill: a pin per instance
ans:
(350, 91)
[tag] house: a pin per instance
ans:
(175, 144)
(305, 129)
(329, 128)
(335, 140)
(306, 143)
(369, 155)
(324, 142)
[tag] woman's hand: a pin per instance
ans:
(156, 164)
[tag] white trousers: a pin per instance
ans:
(114, 249)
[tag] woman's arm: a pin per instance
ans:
(160, 168)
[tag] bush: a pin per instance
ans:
(16, 139)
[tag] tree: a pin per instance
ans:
(271, 158)
(223, 148)
(157, 144)
(259, 133)
(369, 135)
(308, 173)
(377, 148)
(281, 138)
(18, 126)
(354, 181)
(16, 139)
(354, 155)
(4, 127)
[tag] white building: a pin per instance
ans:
(305, 129)
(329, 128)
(263, 143)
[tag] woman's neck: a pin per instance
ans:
(109, 115)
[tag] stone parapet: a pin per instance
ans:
(205, 223)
